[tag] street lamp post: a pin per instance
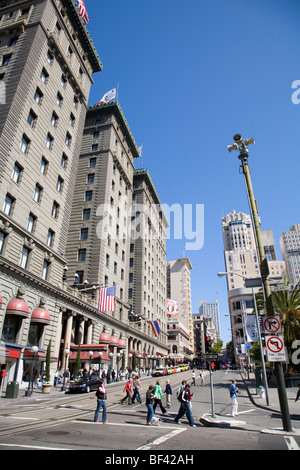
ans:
(66, 352)
(241, 145)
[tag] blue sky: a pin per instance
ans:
(191, 74)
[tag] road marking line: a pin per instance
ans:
(34, 447)
(126, 424)
(21, 417)
(162, 439)
(291, 443)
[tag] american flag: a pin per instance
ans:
(83, 11)
(107, 299)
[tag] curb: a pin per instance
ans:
(208, 420)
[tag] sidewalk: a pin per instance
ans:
(273, 407)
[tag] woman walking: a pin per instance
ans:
(149, 404)
(101, 397)
(157, 398)
(136, 392)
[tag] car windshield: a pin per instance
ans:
(82, 380)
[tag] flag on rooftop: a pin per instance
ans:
(83, 11)
(155, 325)
(109, 96)
(107, 299)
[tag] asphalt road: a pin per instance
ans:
(65, 422)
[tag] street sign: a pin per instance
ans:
(210, 357)
(272, 325)
(275, 349)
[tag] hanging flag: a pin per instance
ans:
(109, 96)
(107, 299)
(155, 325)
(83, 11)
(140, 149)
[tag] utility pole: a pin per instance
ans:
(242, 145)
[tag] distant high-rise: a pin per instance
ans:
(179, 289)
(211, 309)
(290, 248)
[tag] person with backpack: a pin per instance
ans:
(185, 408)
(101, 397)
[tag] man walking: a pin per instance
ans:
(233, 395)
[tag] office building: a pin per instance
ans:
(179, 289)
(211, 309)
(290, 249)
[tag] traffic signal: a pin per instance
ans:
(207, 344)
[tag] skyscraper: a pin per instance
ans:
(47, 63)
(211, 309)
(290, 248)
(179, 289)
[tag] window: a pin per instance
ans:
(43, 165)
(45, 270)
(64, 161)
(38, 96)
(94, 148)
(86, 214)
(37, 193)
(82, 254)
(44, 75)
(6, 59)
(88, 195)
(130, 277)
(31, 118)
(75, 102)
(59, 184)
(63, 81)
(129, 293)
(8, 204)
(24, 144)
(96, 135)
(54, 119)
(59, 99)
(2, 238)
(84, 234)
(72, 120)
(50, 237)
(68, 139)
(10, 328)
(93, 162)
(49, 57)
(55, 210)
(49, 141)
(79, 277)
(16, 173)
(91, 178)
(24, 257)
(31, 223)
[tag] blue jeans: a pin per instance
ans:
(136, 395)
(100, 404)
(185, 409)
(150, 412)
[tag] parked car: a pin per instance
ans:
(85, 384)
(159, 371)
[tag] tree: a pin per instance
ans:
(77, 362)
(217, 347)
(48, 360)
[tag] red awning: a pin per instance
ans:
(40, 315)
(84, 356)
(17, 307)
